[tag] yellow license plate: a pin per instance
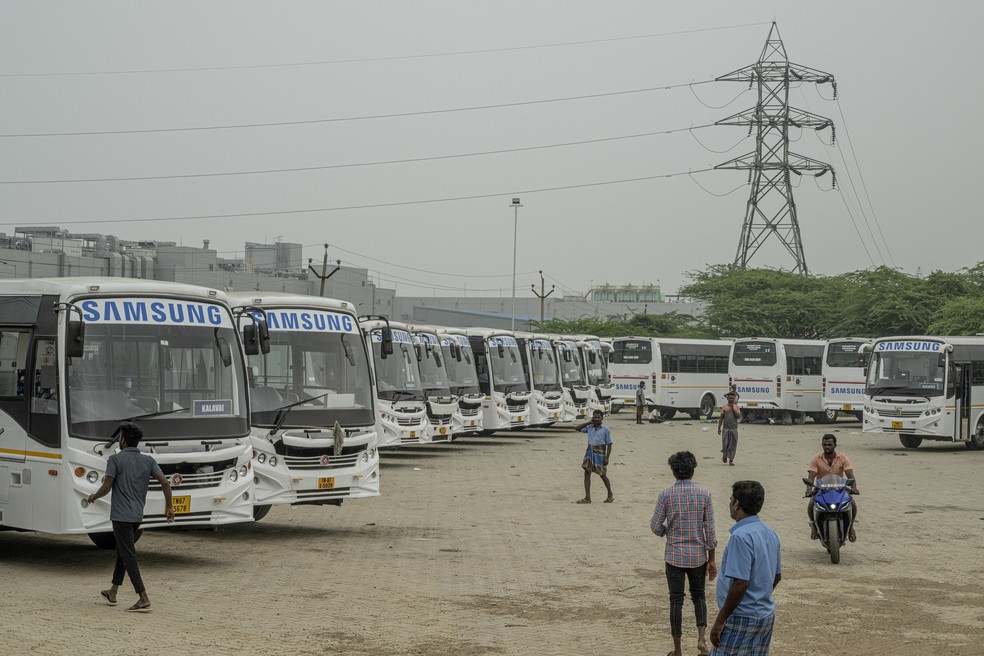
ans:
(848, 406)
(413, 433)
(471, 423)
(580, 413)
(555, 415)
(897, 424)
(181, 505)
(751, 405)
(326, 483)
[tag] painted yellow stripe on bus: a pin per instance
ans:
(693, 387)
(35, 454)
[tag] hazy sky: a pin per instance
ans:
(908, 81)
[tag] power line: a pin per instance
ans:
(369, 117)
(436, 273)
(355, 207)
(379, 59)
(361, 164)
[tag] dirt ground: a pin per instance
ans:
(476, 548)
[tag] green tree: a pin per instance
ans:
(959, 316)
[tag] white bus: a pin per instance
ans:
(463, 378)
(401, 410)
(844, 363)
(441, 403)
(501, 379)
(576, 390)
(316, 374)
(779, 378)
(681, 375)
(595, 363)
(543, 378)
(926, 388)
(78, 356)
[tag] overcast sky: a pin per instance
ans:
(908, 83)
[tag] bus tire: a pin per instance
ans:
(828, 417)
(108, 541)
(799, 418)
(259, 512)
(976, 441)
(616, 408)
(786, 418)
(706, 406)
(486, 432)
(910, 441)
(666, 413)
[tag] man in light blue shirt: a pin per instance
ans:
(596, 457)
(751, 568)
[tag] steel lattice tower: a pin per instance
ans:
(771, 209)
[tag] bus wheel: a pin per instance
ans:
(707, 406)
(910, 441)
(616, 408)
(799, 418)
(259, 512)
(786, 418)
(976, 442)
(829, 416)
(108, 540)
(666, 413)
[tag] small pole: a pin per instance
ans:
(541, 295)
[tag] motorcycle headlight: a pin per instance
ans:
(833, 506)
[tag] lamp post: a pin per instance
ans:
(515, 205)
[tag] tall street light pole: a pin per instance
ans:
(515, 205)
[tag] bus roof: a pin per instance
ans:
(282, 299)
(83, 286)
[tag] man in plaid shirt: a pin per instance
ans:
(685, 515)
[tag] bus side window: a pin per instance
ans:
(45, 399)
(13, 363)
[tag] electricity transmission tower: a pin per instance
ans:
(771, 210)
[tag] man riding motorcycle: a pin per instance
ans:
(830, 461)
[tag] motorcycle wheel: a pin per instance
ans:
(834, 540)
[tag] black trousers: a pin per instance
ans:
(674, 580)
(126, 555)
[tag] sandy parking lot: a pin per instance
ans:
(477, 548)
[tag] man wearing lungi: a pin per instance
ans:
(596, 457)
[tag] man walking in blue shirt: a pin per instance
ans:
(596, 457)
(751, 568)
(128, 475)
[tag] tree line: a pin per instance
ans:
(764, 302)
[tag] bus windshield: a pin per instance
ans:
(544, 366)
(462, 376)
(906, 373)
(190, 377)
(632, 351)
(507, 366)
(433, 374)
(597, 372)
(570, 366)
(397, 375)
(329, 370)
(754, 354)
(845, 354)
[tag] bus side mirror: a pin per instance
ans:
(437, 360)
(592, 357)
(501, 350)
(386, 342)
(251, 341)
(264, 332)
(417, 352)
(225, 353)
(75, 339)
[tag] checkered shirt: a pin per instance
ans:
(685, 515)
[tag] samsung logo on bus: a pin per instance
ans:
(909, 346)
(399, 336)
(754, 390)
(424, 338)
(540, 344)
(148, 311)
(566, 346)
(847, 390)
(307, 320)
(626, 386)
(503, 341)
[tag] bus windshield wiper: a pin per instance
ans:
(283, 411)
(160, 413)
(410, 394)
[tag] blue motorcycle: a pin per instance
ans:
(832, 511)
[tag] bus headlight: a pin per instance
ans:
(234, 476)
(92, 476)
(261, 458)
(243, 471)
(273, 461)
(365, 457)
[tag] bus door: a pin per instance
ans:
(15, 475)
(961, 412)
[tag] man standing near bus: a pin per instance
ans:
(640, 400)
(128, 475)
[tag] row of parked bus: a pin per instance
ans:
(918, 387)
(247, 399)
(786, 380)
